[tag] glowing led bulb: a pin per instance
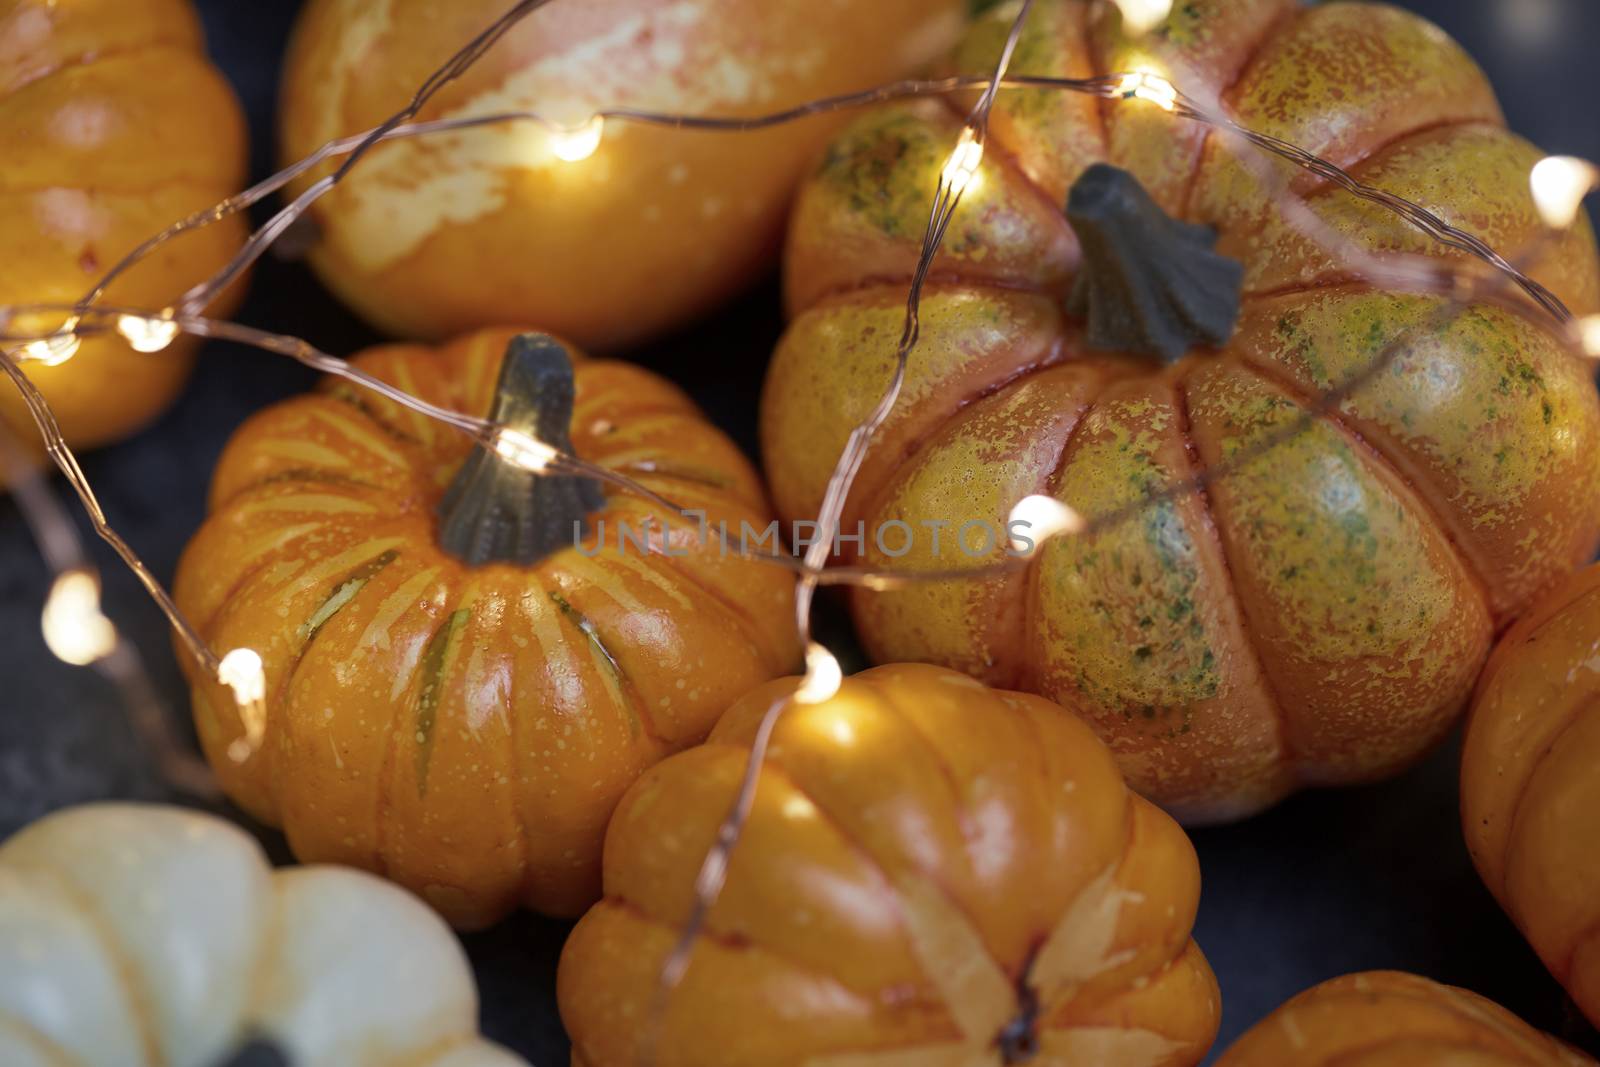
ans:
(523, 450)
(54, 350)
(962, 169)
(1142, 16)
(1041, 518)
(147, 334)
(577, 143)
(823, 676)
(1147, 85)
(1589, 335)
(75, 629)
(1559, 185)
(241, 671)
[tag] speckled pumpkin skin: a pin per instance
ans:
(113, 126)
(1318, 616)
(1394, 1019)
(920, 848)
(467, 731)
(1530, 797)
(432, 238)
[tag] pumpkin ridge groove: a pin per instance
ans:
(1032, 618)
(996, 150)
(744, 625)
(122, 965)
(1274, 28)
(50, 1053)
(1426, 508)
(1547, 749)
(1055, 356)
(731, 942)
(638, 715)
(1219, 545)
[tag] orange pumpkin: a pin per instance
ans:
(1393, 1019)
(1316, 616)
(113, 126)
(433, 237)
(1530, 796)
(933, 873)
(457, 691)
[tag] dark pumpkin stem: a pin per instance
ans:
(1149, 284)
(495, 512)
(257, 1052)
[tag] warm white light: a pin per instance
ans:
(54, 350)
(522, 450)
(241, 671)
(1589, 335)
(577, 143)
(147, 334)
(75, 629)
(1147, 85)
(1040, 518)
(1559, 185)
(962, 169)
(1142, 16)
(823, 676)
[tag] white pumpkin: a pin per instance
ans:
(147, 936)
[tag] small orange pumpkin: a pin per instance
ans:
(433, 237)
(1394, 1019)
(457, 694)
(1315, 617)
(934, 873)
(113, 126)
(1530, 791)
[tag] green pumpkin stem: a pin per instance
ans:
(1149, 284)
(495, 512)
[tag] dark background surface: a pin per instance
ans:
(1325, 884)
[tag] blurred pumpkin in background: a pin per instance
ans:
(457, 695)
(113, 125)
(435, 236)
(1316, 616)
(933, 873)
(140, 934)
(1530, 789)
(1393, 1019)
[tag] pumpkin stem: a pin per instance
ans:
(256, 1053)
(495, 512)
(1149, 284)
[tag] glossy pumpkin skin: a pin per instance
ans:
(467, 731)
(1530, 797)
(136, 935)
(1394, 1019)
(1317, 616)
(919, 849)
(114, 125)
(431, 238)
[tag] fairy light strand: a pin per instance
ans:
(1558, 184)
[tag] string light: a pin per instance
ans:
(823, 676)
(242, 671)
(54, 350)
(523, 451)
(148, 333)
(1041, 518)
(574, 144)
(75, 629)
(1589, 335)
(1559, 185)
(1148, 85)
(962, 170)
(1142, 16)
